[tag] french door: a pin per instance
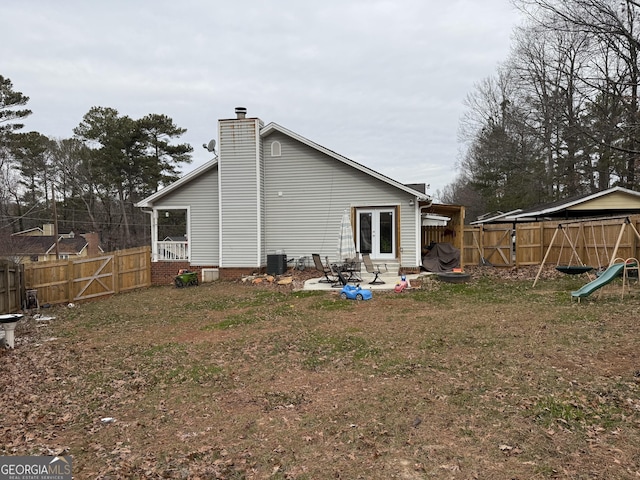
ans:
(376, 232)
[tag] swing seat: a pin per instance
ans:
(574, 270)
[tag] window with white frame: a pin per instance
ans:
(276, 149)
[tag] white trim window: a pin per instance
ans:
(276, 149)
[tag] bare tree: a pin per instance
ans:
(501, 161)
(461, 192)
(614, 26)
(548, 64)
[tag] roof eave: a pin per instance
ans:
(149, 201)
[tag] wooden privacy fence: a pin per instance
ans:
(90, 277)
(11, 277)
(590, 242)
(490, 244)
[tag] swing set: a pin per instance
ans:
(580, 267)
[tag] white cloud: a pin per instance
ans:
(381, 82)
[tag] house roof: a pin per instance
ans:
(175, 238)
(43, 245)
(610, 202)
(72, 246)
(38, 231)
(264, 132)
(30, 231)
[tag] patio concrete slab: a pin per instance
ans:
(390, 282)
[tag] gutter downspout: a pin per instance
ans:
(419, 232)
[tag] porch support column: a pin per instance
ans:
(154, 235)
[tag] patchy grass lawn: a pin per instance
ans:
(490, 379)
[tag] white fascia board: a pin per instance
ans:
(431, 216)
(528, 218)
(274, 127)
(23, 232)
(148, 202)
(508, 216)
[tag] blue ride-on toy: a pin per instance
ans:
(349, 292)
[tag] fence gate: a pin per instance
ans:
(10, 287)
(472, 246)
(93, 277)
(530, 241)
(497, 244)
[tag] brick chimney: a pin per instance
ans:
(93, 243)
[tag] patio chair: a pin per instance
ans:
(375, 269)
(327, 271)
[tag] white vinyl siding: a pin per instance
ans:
(307, 192)
(201, 196)
(613, 201)
(250, 203)
(240, 218)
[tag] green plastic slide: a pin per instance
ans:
(605, 278)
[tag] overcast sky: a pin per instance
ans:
(380, 82)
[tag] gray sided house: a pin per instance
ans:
(272, 191)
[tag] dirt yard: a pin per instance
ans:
(486, 380)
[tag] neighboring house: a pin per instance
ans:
(175, 238)
(39, 245)
(612, 202)
(272, 191)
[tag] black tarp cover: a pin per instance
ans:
(442, 257)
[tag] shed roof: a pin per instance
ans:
(615, 201)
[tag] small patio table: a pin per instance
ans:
(352, 268)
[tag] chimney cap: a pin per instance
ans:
(241, 112)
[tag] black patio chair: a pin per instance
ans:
(341, 280)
